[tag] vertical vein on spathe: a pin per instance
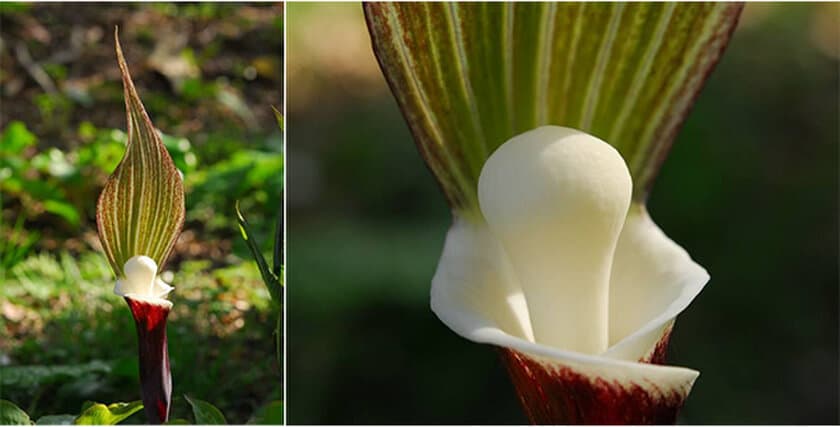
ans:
(463, 66)
(719, 24)
(460, 183)
(141, 208)
(544, 71)
(137, 200)
(570, 62)
(157, 161)
(642, 72)
(677, 79)
(507, 52)
(597, 78)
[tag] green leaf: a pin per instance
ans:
(15, 138)
(98, 414)
(469, 76)
(56, 420)
(10, 414)
(272, 281)
(63, 209)
(178, 421)
(279, 117)
(205, 413)
(270, 414)
(35, 376)
(141, 208)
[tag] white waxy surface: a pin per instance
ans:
(140, 279)
(556, 198)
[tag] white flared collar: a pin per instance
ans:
(141, 281)
(476, 294)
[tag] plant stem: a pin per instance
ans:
(155, 376)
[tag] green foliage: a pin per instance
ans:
(205, 413)
(279, 117)
(10, 414)
(57, 309)
(99, 414)
(92, 414)
(77, 340)
(181, 151)
(15, 138)
(34, 376)
(272, 279)
(13, 7)
(33, 179)
(61, 420)
(16, 245)
(269, 414)
(195, 89)
(254, 177)
(62, 182)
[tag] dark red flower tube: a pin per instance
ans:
(155, 377)
(553, 393)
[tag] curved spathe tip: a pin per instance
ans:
(653, 280)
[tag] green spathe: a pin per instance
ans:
(470, 76)
(141, 209)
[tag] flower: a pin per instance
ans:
(578, 288)
(139, 215)
(141, 281)
(552, 256)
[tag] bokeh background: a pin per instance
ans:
(750, 190)
(208, 75)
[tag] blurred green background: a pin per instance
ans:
(208, 75)
(750, 190)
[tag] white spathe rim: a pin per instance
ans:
(464, 307)
(150, 300)
(141, 282)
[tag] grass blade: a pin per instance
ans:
(271, 279)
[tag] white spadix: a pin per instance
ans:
(557, 199)
(575, 285)
(140, 280)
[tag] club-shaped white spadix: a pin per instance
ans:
(140, 279)
(556, 198)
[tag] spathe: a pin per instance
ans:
(139, 215)
(476, 292)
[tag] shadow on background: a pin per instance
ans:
(750, 190)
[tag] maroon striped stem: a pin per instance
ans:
(557, 394)
(155, 377)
